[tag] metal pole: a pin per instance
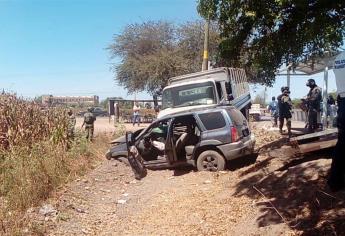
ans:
(324, 97)
(205, 56)
(288, 77)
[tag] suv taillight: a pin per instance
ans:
(234, 134)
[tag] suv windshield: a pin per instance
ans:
(189, 95)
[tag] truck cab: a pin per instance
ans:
(220, 86)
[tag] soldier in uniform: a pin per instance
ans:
(284, 108)
(89, 120)
(314, 98)
(71, 124)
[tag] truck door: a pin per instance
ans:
(170, 151)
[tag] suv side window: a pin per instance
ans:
(236, 117)
(212, 120)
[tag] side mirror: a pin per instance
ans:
(230, 97)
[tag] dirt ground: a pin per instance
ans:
(276, 192)
(104, 125)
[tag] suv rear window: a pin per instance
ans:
(212, 120)
(236, 117)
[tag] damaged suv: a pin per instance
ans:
(205, 139)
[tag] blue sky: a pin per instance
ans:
(58, 46)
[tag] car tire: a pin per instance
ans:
(210, 161)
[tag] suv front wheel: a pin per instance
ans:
(210, 161)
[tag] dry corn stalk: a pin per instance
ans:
(25, 122)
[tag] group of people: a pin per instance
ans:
(89, 120)
(88, 123)
(282, 107)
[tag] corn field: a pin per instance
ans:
(24, 123)
(36, 157)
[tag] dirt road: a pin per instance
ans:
(103, 125)
(274, 193)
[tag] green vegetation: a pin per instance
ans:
(296, 102)
(154, 51)
(262, 35)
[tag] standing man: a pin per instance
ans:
(336, 179)
(71, 125)
(136, 114)
(314, 98)
(89, 120)
(285, 106)
(273, 108)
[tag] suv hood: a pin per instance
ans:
(121, 139)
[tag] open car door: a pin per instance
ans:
(170, 151)
(134, 158)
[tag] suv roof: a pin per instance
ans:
(198, 110)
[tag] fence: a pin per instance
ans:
(123, 110)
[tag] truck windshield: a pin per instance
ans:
(189, 95)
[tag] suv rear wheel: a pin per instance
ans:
(210, 161)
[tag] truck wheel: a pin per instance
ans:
(210, 161)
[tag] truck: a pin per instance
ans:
(205, 89)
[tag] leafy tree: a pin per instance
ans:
(260, 99)
(152, 52)
(262, 35)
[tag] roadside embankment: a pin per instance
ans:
(36, 157)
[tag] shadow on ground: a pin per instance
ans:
(297, 195)
(179, 171)
(242, 162)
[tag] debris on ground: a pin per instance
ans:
(48, 210)
(121, 201)
(294, 200)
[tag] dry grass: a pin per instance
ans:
(25, 123)
(34, 159)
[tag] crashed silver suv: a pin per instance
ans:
(205, 138)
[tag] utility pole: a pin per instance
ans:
(205, 56)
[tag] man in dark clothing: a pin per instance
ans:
(336, 179)
(330, 100)
(284, 108)
(279, 98)
(89, 120)
(314, 98)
